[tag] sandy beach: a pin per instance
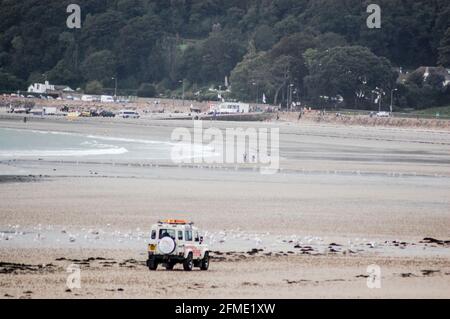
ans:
(345, 198)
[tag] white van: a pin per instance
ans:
(128, 114)
(106, 99)
(87, 98)
(50, 110)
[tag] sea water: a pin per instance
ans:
(32, 144)
(18, 143)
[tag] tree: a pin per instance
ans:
(426, 91)
(137, 40)
(352, 72)
(94, 87)
(280, 74)
(247, 74)
(202, 41)
(444, 50)
(9, 82)
(260, 72)
(294, 46)
(220, 53)
(99, 66)
(264, 37)
(63, 74)
(100, 30)
(146, 90)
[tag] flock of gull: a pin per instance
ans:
(224, 240)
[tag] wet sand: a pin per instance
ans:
(121, 274)
(374, 192)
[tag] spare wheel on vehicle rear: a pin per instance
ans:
(166, 245)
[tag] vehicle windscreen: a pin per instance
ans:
(166, 232)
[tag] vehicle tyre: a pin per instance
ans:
(152, 264)
(169, 266)
(188, 263)
(204, 264)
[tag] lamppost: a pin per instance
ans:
(392, 98)
(182, 96)
(115, 87)
(291, 86)
(256, 86)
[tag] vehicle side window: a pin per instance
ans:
(153, 234)
(180, 235)
(196, 236)
(188, 235)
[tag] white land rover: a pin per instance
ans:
(175, 241)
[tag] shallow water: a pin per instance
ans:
(31, 144)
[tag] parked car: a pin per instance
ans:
(107, 114)
(383, 114)
(128, 114)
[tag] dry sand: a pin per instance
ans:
(353, 186)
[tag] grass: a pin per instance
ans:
(444, 111)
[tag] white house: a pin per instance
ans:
(47, 87)
(447, 78)
(41, 88)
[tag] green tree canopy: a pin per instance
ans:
(94, 87)
(146, 90)
(444, 49)
(352, 72)
(99, 66)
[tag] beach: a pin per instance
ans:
(344, 198)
